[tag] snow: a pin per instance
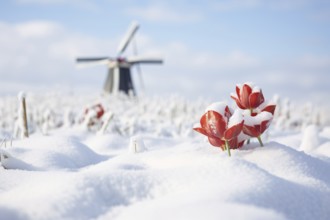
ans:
(136, 144)
(256, 120)
(173, 173)
(50, 153)
(310, 138)
(250, 84)
(217, 107)
(256, 89)
(234, 95)
(21, 95)
(236, 118)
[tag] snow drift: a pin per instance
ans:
(74, 172)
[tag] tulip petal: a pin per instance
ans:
(214, 124)
(233, 143)
(233, 131)
(216, 142)
(227, 113)
(256, 99)
(238, 102)
(202, 131)
(264, 125)
(240, 144)
(238, 92)
(245, 94)
(270, 109)
(252, 131)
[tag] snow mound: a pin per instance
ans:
(49, 153)
(174, 179)
(203, 209)
(292, 165)
(107, 144)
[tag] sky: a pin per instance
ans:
(208, 46)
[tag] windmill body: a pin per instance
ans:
(119, 77)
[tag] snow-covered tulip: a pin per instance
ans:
(265, 107)
(254, 126)
(269, 108)
(248, 96)
(97, 109)
(221, 126)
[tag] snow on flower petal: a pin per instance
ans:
(220, 107)
(254, 126)
(235, 125)
(236, 118)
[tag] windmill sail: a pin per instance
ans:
(141, 59)
(92, 61)
(128, 37)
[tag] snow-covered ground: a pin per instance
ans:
(148, 163)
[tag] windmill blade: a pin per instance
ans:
(128, 37)
(140, 59)
(92, 61)
(139, 71)
(138, 67)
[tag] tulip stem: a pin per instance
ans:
(260, 141)
(228, 147)
(251, 113)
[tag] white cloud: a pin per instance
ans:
(162, 13)
(45, 52)
(37, 29)
(180, 55)
(234, 60)
(46, 55)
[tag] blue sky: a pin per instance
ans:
(208, 46)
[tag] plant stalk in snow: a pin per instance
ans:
(228, 147)
(260, 141)
(25, 127)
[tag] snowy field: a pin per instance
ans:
(148, 163)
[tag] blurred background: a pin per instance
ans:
(208, 46)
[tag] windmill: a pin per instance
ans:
(119, 68)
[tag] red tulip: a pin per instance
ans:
(98, 109)
(222, 128)
(248, 97)
(256, 125)
(269, 107)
